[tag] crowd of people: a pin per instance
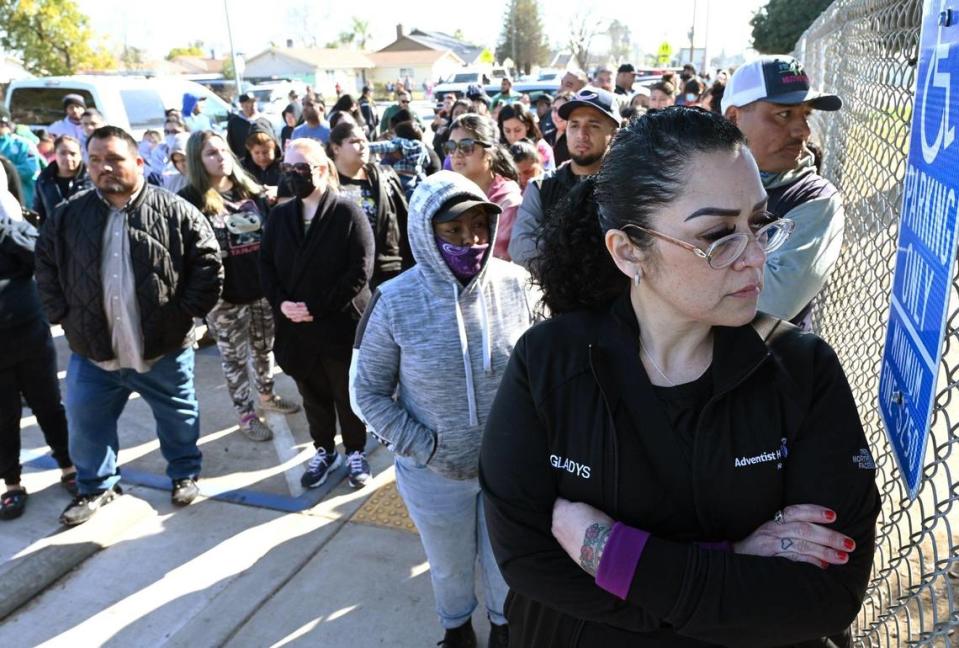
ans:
(575, 320)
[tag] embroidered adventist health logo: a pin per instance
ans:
(570, 466)
(777, 455)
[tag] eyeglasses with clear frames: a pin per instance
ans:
(727, 250)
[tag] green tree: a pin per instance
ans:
(193, 49)
(522, 38)
(52, 37)
(778, 25)
(361, 32)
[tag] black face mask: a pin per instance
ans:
(300, 186)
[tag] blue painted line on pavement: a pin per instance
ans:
(244, 496)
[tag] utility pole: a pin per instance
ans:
(692, 35)
(706, 63)
(512, 19)
(237, 76)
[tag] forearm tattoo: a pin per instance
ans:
(594, 542)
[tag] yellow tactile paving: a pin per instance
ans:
(385, 508)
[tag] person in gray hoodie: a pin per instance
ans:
(438, 337)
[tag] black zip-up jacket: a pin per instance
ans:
(48, 193)
(328, 267)
(576, 417)
(393, 254)
(176, 267)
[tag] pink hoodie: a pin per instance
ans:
(507, 194)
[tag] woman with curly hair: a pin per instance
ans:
(475, 153)
(663, 465)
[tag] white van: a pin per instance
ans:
(136, 104)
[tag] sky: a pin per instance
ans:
(158, 27)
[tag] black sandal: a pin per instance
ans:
(12, 504)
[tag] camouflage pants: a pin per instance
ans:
(244, 336)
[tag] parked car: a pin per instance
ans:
(135, 104)
(464, 78)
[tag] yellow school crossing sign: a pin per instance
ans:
(665, 54)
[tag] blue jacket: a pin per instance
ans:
(25, 158)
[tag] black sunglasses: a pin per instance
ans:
(466, 146)
(300, 168)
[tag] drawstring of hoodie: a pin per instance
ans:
(484, 323)
(465, 349)
(467, 366)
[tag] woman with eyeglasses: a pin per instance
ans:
(475, 153)
(241, 321)
(517, 123)
(315, 264)
(376, 189)
(663, 465)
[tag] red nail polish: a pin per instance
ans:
(849, 544)
(824, 564)
(830, 515)
(842, 555)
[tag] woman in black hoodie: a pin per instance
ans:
(263, 156)
(377, 191)
(62, 178)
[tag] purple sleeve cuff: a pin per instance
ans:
(620, 557)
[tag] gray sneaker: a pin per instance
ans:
(83, 507)
(256, 430)
(277, 403)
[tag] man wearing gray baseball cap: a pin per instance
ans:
(73, 107)
(770, 99)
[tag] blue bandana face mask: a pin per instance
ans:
(465, 262)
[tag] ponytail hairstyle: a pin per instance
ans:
(340, 133)
(211, 200)
(646, 168)
(482, 129)
(522, 113)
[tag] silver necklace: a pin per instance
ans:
(653, 362)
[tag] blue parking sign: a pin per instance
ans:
(926, 252)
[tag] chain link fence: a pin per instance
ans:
(866, 51)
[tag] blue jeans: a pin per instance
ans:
(96, 398)
(449, 516)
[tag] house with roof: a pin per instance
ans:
(420, 40)
(415, 68)
(319, 68)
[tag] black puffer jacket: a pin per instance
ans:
(48, 193)
(575, 417)
(176, 267)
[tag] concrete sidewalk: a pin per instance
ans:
(217, 573)
(255, 561)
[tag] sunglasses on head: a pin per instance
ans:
(300, 168)
(466, 146)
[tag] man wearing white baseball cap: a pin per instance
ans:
(770, 100)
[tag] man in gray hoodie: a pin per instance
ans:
(438, 337)
(770, 100)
